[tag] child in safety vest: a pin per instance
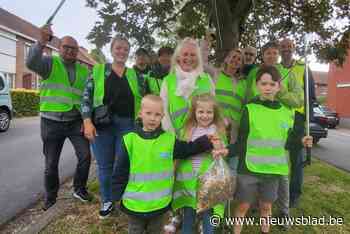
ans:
(203, 119)
(143, 175)
(261, 146)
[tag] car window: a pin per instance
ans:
(2, 83)
(318, 110)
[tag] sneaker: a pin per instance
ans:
(82, 195)
(48, 204)
(284, 221)
(106, 209)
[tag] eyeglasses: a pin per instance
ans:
(72, 48)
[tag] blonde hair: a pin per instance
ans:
(191, 121)
(152, 98)
(184, 42)
(119, 38)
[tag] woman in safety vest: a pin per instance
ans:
(185, 80)
(110, 104)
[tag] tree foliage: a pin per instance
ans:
(98, 55)
(235, 22)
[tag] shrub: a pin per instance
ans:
(25, 102)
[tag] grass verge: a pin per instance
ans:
(326, 194)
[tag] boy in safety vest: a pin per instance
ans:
(264, 129)
(143, 176)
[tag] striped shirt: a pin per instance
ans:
(196, 133)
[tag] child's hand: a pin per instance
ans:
(307, 141)
(216, 141)
(217, 153)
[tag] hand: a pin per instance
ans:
(45, 34)
(307, 141)
(89, 130)
(227, 122)
(217, 153)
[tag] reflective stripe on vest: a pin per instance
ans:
(147, 196)
(61, 87)
(271, 159)
(178, 106)
(63, 100)
(268, 132)
(184, 192)
(151, 177)
(99, 85)
(57, 94)
(266, 143)
(146, 177)
(230, 96)
(184, 176)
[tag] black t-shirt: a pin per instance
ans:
(119, 96)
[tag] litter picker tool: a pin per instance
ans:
(50, 19)
(307, 102)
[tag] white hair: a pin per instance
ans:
(178, 49)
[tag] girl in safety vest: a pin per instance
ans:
(143, 176)
(262, 137)
(203, 119)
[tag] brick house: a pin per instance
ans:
(339, 88)
(321, 85)
(16, 37)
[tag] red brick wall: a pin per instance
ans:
(339, 98)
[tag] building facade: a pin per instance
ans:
(339, 88)
(16, 37)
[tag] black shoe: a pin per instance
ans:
(284, 221)
(106, 209)
(48, 204)
(82, 195)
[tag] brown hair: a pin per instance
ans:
(270, 44)
(271, 70)
(191, 119)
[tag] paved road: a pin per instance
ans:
(335, 149)
(22, 166)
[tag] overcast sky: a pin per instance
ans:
(74, 19)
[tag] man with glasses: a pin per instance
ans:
(61, 88)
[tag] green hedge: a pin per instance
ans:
(25, 102)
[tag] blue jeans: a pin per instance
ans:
(296, 174)
(189, 220)
(106, 146)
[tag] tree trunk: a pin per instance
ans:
(227, 17)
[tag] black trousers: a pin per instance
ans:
(53, 135)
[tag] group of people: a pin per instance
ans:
(155, 128)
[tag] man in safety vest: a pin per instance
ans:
(143, 176)
(297, 69)
(61, 88)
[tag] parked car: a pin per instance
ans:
(317, 132)
(331, 113)
(5, 104)
(325, 117)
